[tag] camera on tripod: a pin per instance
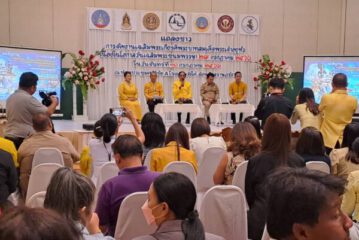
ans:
(46, 97)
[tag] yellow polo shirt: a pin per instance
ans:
(238, 90)
(184, 92)
(162, 156)
(8, 146)
(153, 89)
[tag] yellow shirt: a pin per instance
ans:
(8, 146)
(306, 117)
(86, 161)
(184, 92)
(126, 91)
(337, 110)
(153, 89)
(350, 203)
(237, 90)
(163, 156)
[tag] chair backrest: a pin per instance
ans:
(208, 165)
(182, 167)
(107, 171)
(223, 212)
(240, 176)
(40, 178)
(47, 155)
(319, 166)
(36, 200)
(130, 221)
(148, 159)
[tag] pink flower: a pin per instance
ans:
(97, 82)
(81, 53)
(255, 79)
(103, 80)
(91, 56)
(282, 63)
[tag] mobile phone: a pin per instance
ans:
(119, 112)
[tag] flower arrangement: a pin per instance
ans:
(268, 69)
(84, 72)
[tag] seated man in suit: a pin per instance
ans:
(182, 93)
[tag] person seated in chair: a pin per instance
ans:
(153, 92)
(237, 93)
(209, 94)
(182, 93)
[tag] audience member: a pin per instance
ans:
(305, 204)
(43, 137)
(275, 103)
(23, 223)
(275, 153)
(306, 110)
(244, 145)
(256, 124)
(171, 206)
(132, 177)
(176, 149)
(337, 109)
(339, 157)
(154, 130)
(350, 204)
(9, 146)
(201, 140)
(310, 146)
(8, 176)
(72, 195)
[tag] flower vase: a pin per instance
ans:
(76, 117)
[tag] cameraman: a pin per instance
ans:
(21, 106)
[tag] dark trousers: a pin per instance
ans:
(187, 101)
(233, 115)
(152, 103)
(16, 140)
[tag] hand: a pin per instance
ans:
(54, 100)
(129, 115)
(119, 121)
(92, 224)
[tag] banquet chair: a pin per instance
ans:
(148, 159)
(47, 155)
(319, 166)
(40, 178)
(240, 176)
(36, 200)
(223, 212)
(130, 221)
(182, 167)
(107, 171)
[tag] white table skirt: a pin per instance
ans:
(216, 110)
(164, 108)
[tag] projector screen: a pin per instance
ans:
(319, 71)
(45, 64)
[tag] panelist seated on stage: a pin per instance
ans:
(209, 94)
(238, 93)
(153, 92)
(182, 93)
(128, 96)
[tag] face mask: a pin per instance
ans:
(147, 212)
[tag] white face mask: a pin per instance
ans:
(147, 213)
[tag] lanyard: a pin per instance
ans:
(109, 153)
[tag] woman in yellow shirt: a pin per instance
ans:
(128, 96)
(176, 149)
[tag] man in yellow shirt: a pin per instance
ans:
(153, 92)
(238, 93)
(182, 93)
(337, 109)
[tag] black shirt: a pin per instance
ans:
(8, 176)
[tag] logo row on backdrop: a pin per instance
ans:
(175, 22)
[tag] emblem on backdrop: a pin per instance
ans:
(177, 22)
(225, 24)
(202, 23)
(151, 21)
(249, 24)
(99, 19)
(126, 20)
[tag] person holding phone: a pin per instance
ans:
(182, 93)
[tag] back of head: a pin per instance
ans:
(306, 95)
(353, 154)
(109, 126)
(68, 192)
(340, 80)
(154, 129)
(351, 132)
(41, 122)
(180, 195)
(27, 80)
(277, 137)
(178, 133)
(276, 83)
(98, 129)
(127, 146)
(200, 127)
(244, 140)
(310, 142)
(297, 196)
(256, 124)
(24, 223)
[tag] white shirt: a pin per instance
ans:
(201, 144)
(100, 153)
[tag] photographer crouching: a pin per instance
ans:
(21, 106)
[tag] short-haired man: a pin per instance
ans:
(209, 94)
(237, 93)
(337, 109)
(21, 106)
(153, 92)
(182, 93)
(275, 103)
(304, 204)
(43, 137)
(132, 177)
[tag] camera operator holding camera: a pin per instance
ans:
(21, 106)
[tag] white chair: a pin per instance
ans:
(319, 166)
(40, 178)
(47, 155)
(182, 167)
(36, 200)
(223, 212)
(207, 167)
(148, 159)
(130, 221)
(107, 171)
(239, 176)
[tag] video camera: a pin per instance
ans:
(46, 97)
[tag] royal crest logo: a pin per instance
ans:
(126, 22)
(177, 22)
(151, 21)
(201, 24)
(249, 24)
(225, 23)
(100, 18)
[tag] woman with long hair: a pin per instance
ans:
(244, 145)
(306, 110)
(155, 132)
(176, 149)
(171, 206)
(275, 153)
